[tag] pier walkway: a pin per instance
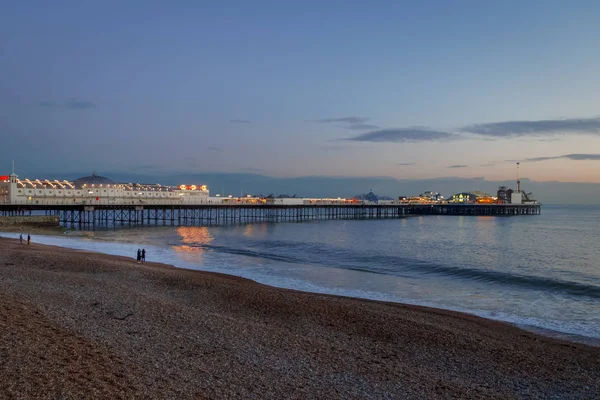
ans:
(206, 214)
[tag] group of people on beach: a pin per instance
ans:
(28, 238)
(141, 255)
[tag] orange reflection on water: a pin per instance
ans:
(195, 234)
(194, 238)
(260, 229)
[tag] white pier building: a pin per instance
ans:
(96, 190)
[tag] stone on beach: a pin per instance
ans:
(75, 324)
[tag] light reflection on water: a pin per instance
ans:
(193, 239)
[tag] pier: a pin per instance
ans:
(221, 214)
(95, 200)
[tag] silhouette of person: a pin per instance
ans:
(143, 255)
(21, 238)
(28, 239)
(139, 256)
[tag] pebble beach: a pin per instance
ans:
(77, 324)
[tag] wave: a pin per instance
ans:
(391, 265)
(527, 281)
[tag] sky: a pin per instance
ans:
(400, 89)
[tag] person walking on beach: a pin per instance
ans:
(28, 239)
(139, 256)
(21, 238)
(143, 255)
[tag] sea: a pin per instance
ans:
(540, 272)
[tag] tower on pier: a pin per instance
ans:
(12, 191)
(518, 179)
(516, 197)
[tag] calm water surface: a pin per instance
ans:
(542, 271)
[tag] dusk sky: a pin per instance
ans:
(409, 90)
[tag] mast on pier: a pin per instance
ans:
(518, 179)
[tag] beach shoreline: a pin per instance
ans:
(79, 234)
(156, 331)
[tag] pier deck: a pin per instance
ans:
(211, 214)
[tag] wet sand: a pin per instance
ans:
(75, 325)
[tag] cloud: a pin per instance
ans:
(361, 127)
(213, 148)
(402, 135)
(79, 105)
(405, 163)
(574, 157)
(458, 166)
(353, 123)
(345, 120)
(509, 129)
(240, 121)
(487, 165)
(71, 104)
(536, 159)
(580, 157)
(543, 130)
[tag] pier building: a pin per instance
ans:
(475, 197)
(95, 190)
